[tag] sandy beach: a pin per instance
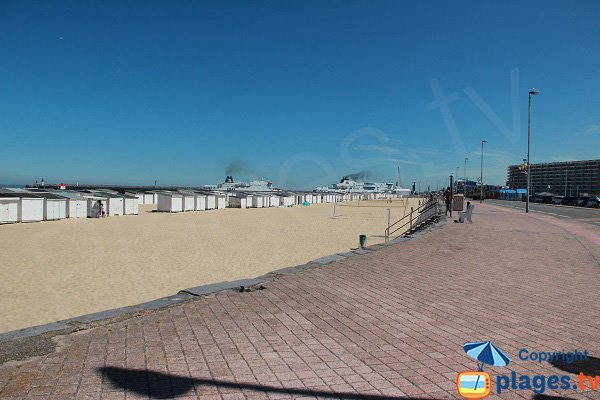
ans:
(56, 270)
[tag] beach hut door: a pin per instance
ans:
(8, 212)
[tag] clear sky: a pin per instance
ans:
(299, 93)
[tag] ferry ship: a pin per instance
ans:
(351, 186)
(254, 186)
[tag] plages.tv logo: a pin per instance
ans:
(477, 384)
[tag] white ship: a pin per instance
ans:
(347, 185)
(254, 186)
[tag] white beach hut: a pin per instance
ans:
(188, 201)
(211, 201)
(77, 205)
(95, 204)
(200, 202)
(273, 200)
(55, 207)
(131, 204)
(286, 200)
(257, 201)
(220, 201)
(267, 200)
(239, 201)
(9, 207)
(149, 198)
(31, 208)
(114, 201)
(170, 202)
(139, 196)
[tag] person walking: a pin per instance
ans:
(447, 200)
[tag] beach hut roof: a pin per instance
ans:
(284, 194)
(49, 196)
(107, 194)
(173, 194)
(7, 194)
(187, 192)
(69, 195)
(128, 196)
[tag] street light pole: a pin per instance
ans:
(465, 180)
(456, 175)
(532, 92)
(481, 174)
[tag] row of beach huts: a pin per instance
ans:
(32, 205)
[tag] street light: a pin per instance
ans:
(533, 92)
(481, 174)
(465, 181)
(456, 183)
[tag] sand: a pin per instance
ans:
(62, 269)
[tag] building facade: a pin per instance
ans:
(570, 178)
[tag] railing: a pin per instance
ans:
(417, 217)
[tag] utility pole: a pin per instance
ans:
(481, 174)
(532, 92)
(451, 194)
(465, 180)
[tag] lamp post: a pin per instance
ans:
(465, 180)
(532, 92)
(481, 174)
(456, 175)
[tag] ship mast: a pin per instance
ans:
(398, 182)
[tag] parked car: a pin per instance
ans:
(536, 199)
(543, 197)
(593, 202)
(557, 200)
(582, 201)
(569, 201)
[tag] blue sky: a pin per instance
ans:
(296, 92)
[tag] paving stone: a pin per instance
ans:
(328, 259)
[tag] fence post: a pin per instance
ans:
(387, 231)
(411, 214)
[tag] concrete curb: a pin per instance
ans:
(108, 316)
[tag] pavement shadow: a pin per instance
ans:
(158, 385)
(590, 367)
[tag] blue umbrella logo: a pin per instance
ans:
(486, 353)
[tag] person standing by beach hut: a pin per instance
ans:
(114, 202)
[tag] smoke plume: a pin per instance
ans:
(235, 167)
(359, 175)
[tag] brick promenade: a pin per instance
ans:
(386, 325)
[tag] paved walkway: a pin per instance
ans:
(386, 325)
